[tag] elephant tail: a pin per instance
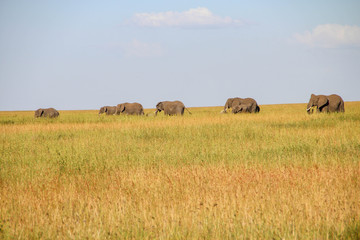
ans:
(257, 109)
(188, 111)
(342, 107)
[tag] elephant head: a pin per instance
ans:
(39, 112)
(104, 109)
(119, 108)
(159, 107)
(109, 110)
(228, 104)
(318, 101)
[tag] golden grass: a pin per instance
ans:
(195, 202)
(277, 174)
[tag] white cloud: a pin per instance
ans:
(141, 49)
(195, 17)
(331, 36)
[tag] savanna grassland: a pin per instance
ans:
(278, 174)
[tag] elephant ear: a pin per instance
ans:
(235, 109)
(105, 109)
(322, 101)
(158, 106)
(122, 107)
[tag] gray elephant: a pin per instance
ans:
(171, 108)
(253, 107)
(331, 103)
(109, 110)
(129, 109)
(46, 112)
(242, 108)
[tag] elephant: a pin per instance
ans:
(253, 107)
(129, 109)
(171, 108)
(331, 103)
(109, 110)
(242, 108)
(46, 112)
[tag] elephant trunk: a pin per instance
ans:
(225, 107)
(308, 109)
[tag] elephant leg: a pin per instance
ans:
(325, 109)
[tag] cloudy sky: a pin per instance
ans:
(86, 54)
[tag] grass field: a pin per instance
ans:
(278, 174)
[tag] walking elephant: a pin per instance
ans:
(252, 106)
(46, 112)
(331, 103)
(129, 109)
(171, 108)
(109, 110)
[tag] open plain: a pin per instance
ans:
(280, 173)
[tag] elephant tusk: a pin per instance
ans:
(308, 109)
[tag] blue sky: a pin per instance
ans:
(86, 54)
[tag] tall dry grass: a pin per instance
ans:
(277, 174)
